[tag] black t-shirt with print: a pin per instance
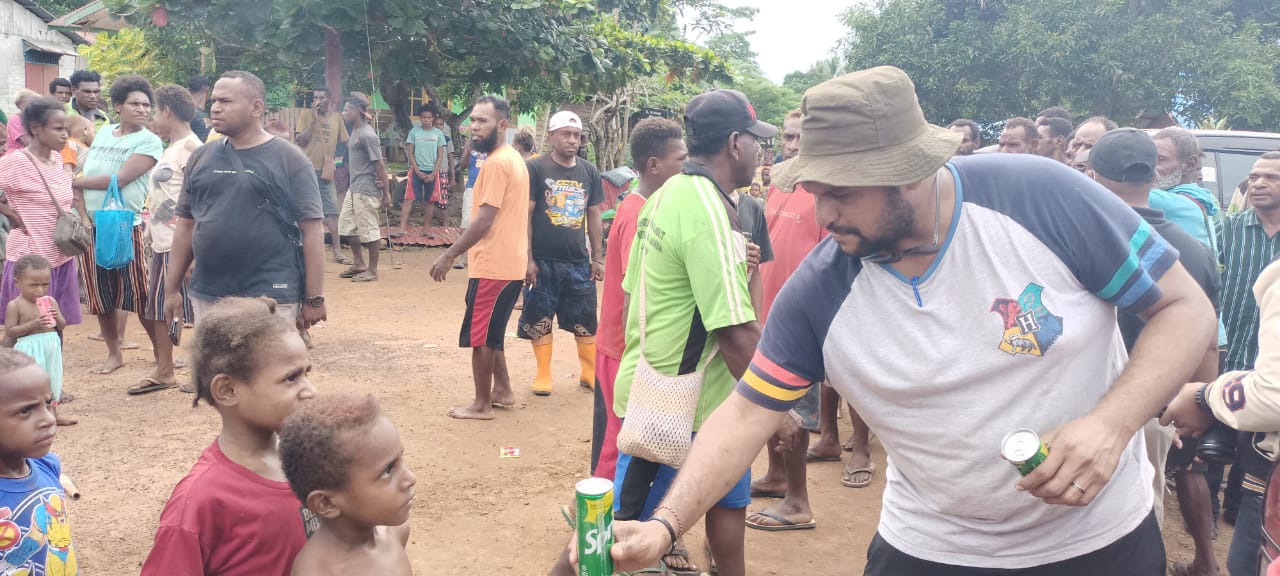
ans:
(561, 197)
(240, 248)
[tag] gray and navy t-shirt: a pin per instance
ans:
(1012, 326)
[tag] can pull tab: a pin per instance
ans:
(915, 289)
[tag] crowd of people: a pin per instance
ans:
(1079, 283)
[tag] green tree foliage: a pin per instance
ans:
(994, 59)
(819, 72)
(130, 51)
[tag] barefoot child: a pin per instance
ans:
(345, 462)
(33, 323)
(234, 514)
(33, 506)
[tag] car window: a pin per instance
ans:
(1226, 171)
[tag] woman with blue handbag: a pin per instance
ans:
(110, 194)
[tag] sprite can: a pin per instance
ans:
(595, 527)
(1024, 450)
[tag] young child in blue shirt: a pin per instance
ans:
(35, 532)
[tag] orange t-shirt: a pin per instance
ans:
(73, 154)
(503, 253)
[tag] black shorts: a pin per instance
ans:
(489, 306)
(564, 290)
(1138, 553)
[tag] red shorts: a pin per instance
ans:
(489, 306)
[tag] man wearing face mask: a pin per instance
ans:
(952, 305)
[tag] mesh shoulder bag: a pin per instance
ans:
(660, 410)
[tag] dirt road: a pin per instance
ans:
(475, 512)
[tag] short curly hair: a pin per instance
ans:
(229, 339)
(12, 360)
(177, 100)
(125, 85)
(651, 138)
(30, 262)
(314, 448)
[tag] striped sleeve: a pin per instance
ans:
(715, 258)
(789, 358)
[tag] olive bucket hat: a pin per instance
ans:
(866, 129)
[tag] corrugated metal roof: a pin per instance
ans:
(47, 18)
(50, 47)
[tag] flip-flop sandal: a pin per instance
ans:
(510, 406)
(659, 569)
(148, 385)
(570, 515)
(400, 234)
(782, 525)
(187, 389)
(809, 456)
(683, 554)
(67, 398)
(713, 570)
(364, 278)
(847, 478)
(343, 260)
(350, 273)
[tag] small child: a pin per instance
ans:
(79, 139)
(345, 461)
(234, 514)
(35, 534)
(33, 323)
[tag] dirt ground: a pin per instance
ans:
(475, 513)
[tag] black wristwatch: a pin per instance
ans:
(1200, 400)
(314, 301)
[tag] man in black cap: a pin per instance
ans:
(1124, 161)
(692, 311)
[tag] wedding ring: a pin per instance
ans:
(1079, 487)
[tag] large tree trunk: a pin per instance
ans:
(333, 63)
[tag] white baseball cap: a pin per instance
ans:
(564, 119)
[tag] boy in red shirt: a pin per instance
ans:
(345, 461)
(234, 513)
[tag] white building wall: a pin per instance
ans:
(17, 23)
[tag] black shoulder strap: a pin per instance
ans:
(277, 207)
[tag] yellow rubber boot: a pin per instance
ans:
(542, 353)
(587, 355)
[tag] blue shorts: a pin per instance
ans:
(738, 497)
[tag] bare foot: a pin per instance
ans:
(504, 399)
(125, 345)
(824, 449)
(61, 421)
(767, 487)
(107, 366)
(471, 412)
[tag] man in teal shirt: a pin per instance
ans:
(426, 147)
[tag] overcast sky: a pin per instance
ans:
(792, 34)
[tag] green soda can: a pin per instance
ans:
(1024, 450)
(595, 527)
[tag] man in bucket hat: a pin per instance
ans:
(956, 302)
